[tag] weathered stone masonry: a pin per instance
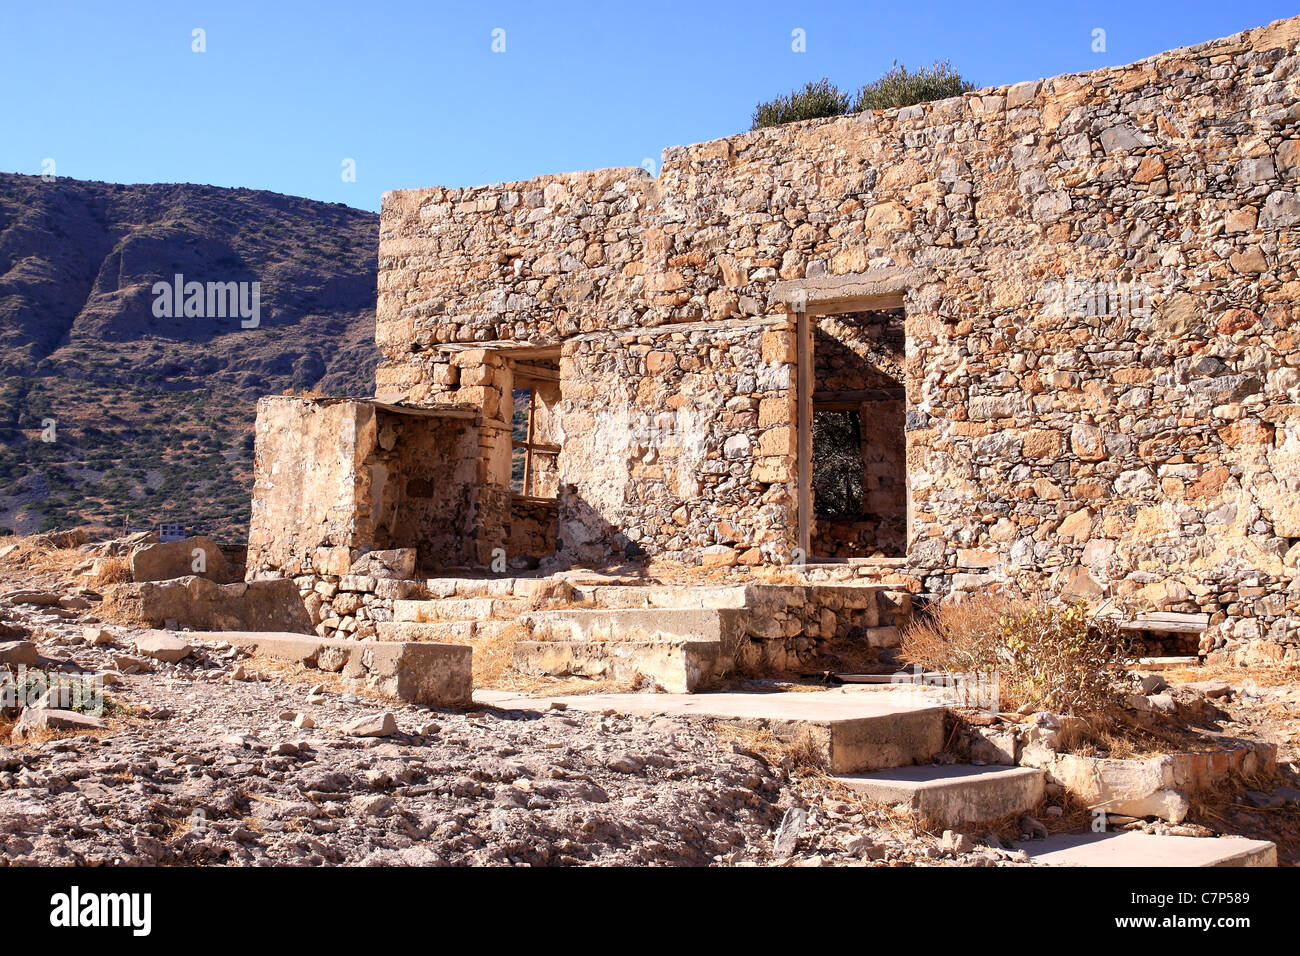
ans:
(1147, 448)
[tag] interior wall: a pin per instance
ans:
(422, 476)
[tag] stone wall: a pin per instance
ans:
(421, 481)
(531, 531)
(1098, 274)
(677, 442)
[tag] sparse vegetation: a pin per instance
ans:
(814, 101)
(1055, 658)
(901, 87)
(898, 86)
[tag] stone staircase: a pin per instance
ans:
(682, 638)
(686, 638)
(458, 610)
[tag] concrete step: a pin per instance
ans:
(458, 609)
(953, 795)
(435, 632)
(677, 666)
(1134, 848)
(851, 732)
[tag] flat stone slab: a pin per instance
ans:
(854, 731)
(18, 652)
(956, 794)
(422, 673)
(1159, 785)
(36, 719)
(1145, 849)
(162, 646)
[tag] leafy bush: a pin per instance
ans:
(898, 87)
(1056, 658)
(815, 100)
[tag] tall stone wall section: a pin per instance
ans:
(1099, 279)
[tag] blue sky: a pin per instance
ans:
(415, 95)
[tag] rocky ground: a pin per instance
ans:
(222, 759)
(219, 758)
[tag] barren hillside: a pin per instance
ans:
(153, 415)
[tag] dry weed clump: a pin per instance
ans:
(799, 755)
(494, 657)
(110, 571)
(56, 554)
(1045, 657)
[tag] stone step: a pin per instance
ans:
(1135, 848)
(678, 667)
(953, 795)
(439, 588)
(852, 732)
(662, 596)
(458, 609)
(628, 643)
(434, 632)
(1166, 663)
(725, 625)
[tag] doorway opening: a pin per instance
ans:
(858, 449)
(534, 458)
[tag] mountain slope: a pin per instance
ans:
(152, 415)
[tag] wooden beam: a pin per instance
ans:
(803, 428)
(859, 396)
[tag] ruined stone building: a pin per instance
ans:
(1044, 335)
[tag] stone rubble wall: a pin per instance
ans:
(1099, 278)
(678, 443)
(531, 531)
(789, 626)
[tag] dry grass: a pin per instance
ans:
(42, 556)
(494, 660)
(1218, 802)
(111, 570)
(272, 668)
(800, 755)
(777, 574)
(543, 685)
(494, 657)
(1054, 658)
(44, 736)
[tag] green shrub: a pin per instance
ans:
(898, 87)
(813, 101)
